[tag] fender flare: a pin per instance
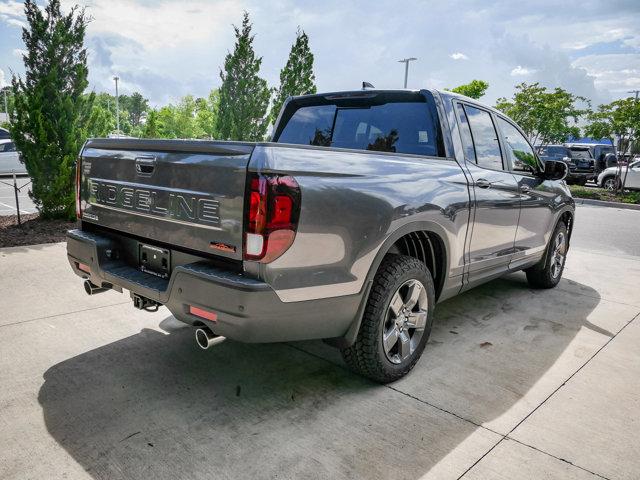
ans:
(561, 212)
(350, 336)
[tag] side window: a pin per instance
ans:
(485, 138)
(519, 153)
(465, 134)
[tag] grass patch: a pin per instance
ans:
(600, 194)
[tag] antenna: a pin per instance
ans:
(366, 85)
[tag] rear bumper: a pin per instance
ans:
(247, 309)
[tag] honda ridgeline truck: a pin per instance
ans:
(366, 209)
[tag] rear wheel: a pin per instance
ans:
(397, 320)
(548, 272)
(609, 184)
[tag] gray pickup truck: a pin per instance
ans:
(366, 209)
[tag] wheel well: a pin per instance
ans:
(567, 218)
(427, 247)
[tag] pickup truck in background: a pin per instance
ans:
(366, 209)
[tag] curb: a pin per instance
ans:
(602, 203)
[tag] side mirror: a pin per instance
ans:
(554, 170)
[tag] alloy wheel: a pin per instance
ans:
(405, 321)
(558, 254)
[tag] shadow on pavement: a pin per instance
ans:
(154, 405)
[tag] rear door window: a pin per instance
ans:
(485, 138)
(400, 127)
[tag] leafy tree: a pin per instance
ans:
(619, 120)
(151, 129)
(107, 103)
(546, 116)
(101, 122)
(244, 96)
(190, 118)
(50, 110)
(296, 78)
(206, 113)
(474, 89)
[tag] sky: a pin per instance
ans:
(169, 48)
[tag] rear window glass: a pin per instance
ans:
(555, 151)
(402, 127)
(581, 153)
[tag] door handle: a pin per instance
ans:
(483, 183)
(145, 166)
(525, 188)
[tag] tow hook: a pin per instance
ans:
(144, 303)
(205, 338)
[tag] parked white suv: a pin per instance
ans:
(607, 178)
(10, 159)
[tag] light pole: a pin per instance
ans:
(636, 92)
(406, 68)
(116, 78)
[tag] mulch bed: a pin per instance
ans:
(33, 231)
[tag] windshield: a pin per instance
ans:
(401, 127)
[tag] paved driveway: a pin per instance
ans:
(515, 383)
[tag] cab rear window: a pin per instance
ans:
(400, 127)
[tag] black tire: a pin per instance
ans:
(582, 181)
(548, 272)
(368, 355)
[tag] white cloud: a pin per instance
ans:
(459, 56)
(19, 52)
(3, 82)
(12, 8)
(169, 48)
(520, 71)
(617, 73)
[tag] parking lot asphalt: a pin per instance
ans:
(515, 383)
(8, 199)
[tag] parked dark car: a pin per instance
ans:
(597, 151)
(579, 170)
(366, 209)
(583, 159)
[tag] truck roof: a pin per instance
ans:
(399, 91)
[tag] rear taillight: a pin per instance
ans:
(78, 189)
(272, 216)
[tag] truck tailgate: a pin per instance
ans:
(187, 193)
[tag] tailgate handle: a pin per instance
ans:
(145, 166)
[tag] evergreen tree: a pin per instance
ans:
(50, 111)
(136, 105)
(244, 96)
(297, 77)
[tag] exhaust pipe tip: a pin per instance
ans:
(205, 338)
(92, 289)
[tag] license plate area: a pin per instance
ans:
(154, 260)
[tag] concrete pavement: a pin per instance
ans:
(8, 199)
(515, 383)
